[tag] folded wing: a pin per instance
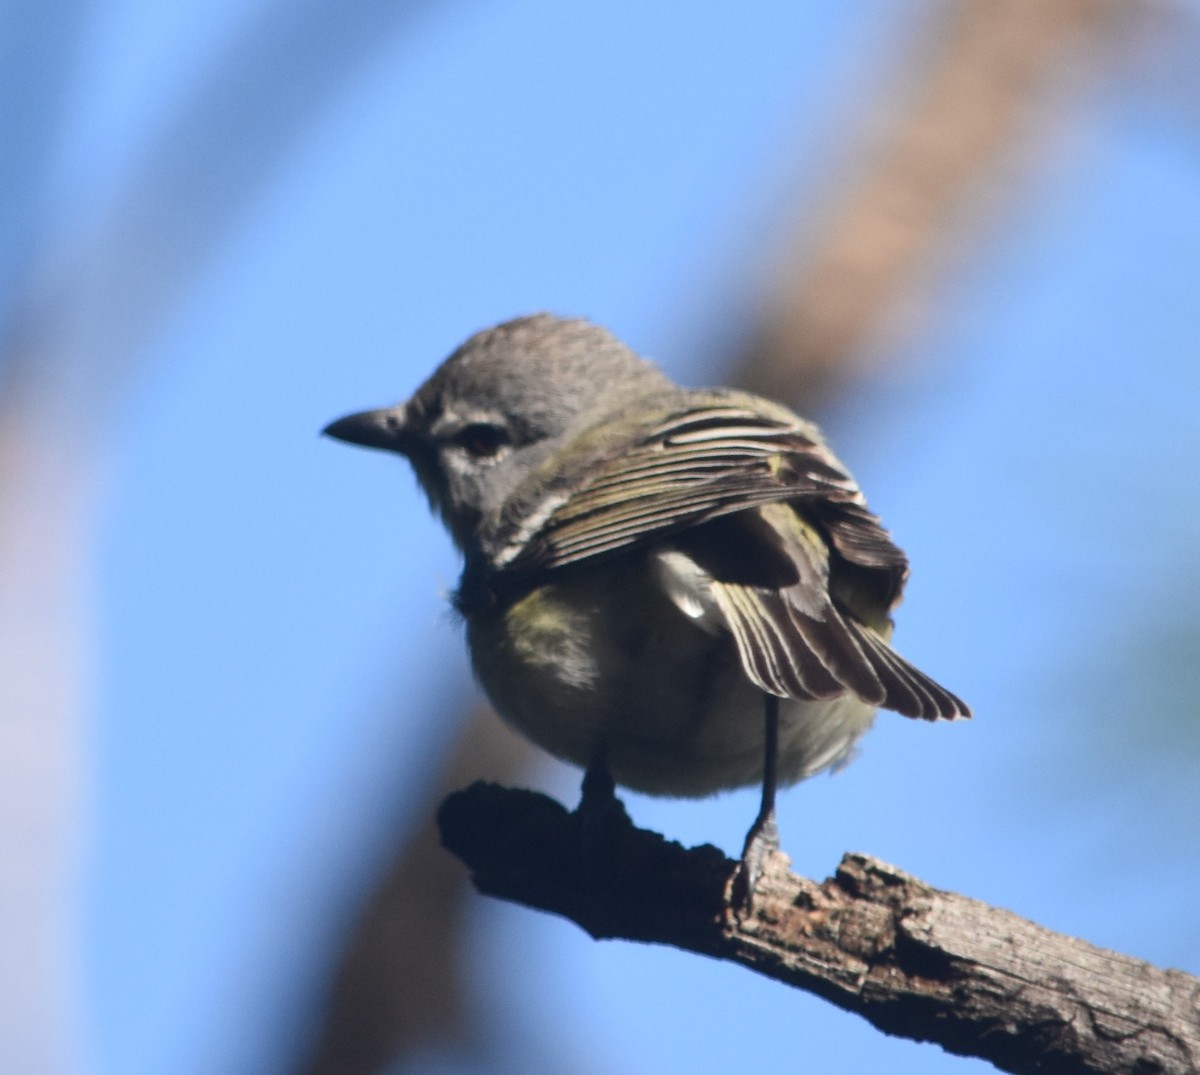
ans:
(804, 584)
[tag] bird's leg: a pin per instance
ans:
(763, 836)
(598, 786)
(601, 822)
(598, 802)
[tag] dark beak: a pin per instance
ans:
(374, 429)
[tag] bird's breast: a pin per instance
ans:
(624, 660)
(595, 657)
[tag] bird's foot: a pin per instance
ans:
(761, 840)
(599, 809)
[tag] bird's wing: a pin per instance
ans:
(794, 655)
(804, 584)
(768, 572)
(682, 470)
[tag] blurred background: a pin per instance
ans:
(964, 236)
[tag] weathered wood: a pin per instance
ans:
(915, 961)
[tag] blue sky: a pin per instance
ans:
(271, 660)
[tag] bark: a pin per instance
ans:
(913, 960)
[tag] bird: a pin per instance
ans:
(679, 590)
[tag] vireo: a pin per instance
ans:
(682, 590)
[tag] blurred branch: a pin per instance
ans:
(197, 175)
(401, 984)
(915, 961)
(927, 181)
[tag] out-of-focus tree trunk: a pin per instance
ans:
(45, 501)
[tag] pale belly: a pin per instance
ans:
(605, 665)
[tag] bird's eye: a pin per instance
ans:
(481, 439)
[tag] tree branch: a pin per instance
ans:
(913, 960)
